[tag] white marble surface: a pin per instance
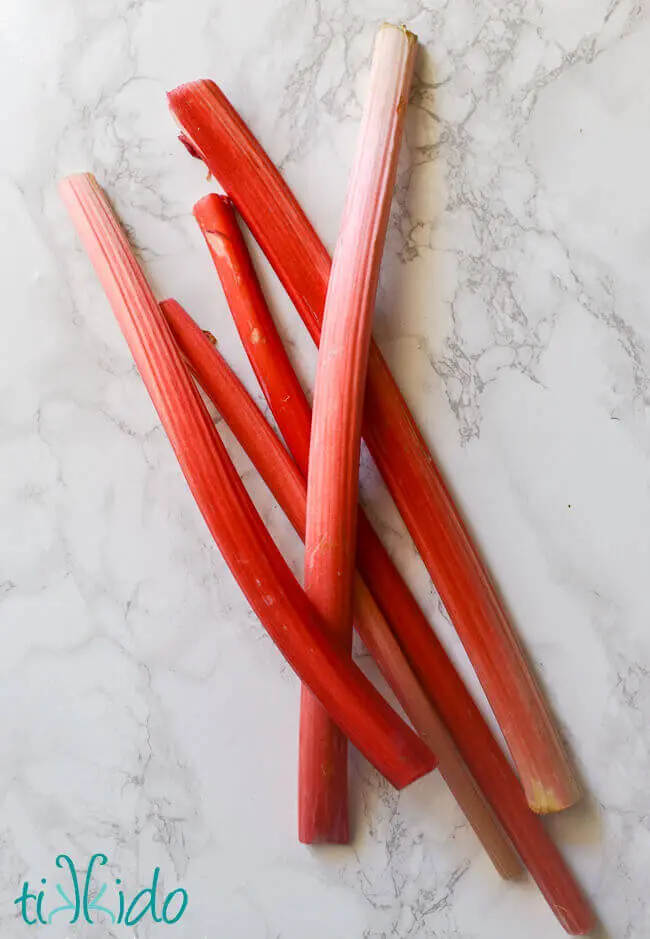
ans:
(144, 713)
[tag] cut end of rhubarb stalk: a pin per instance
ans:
(204, 209)
(544, 800)
(215, 216)
(192, 93)
(208, 212)
(412, 38)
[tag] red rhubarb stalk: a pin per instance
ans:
(216, 219)
(260, 338)
(286, 482)
(240, 534)
(216, 133)
(426, 655)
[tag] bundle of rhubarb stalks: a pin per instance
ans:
(350, 580)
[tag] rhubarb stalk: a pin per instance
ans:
(240, 534)
(223, 236)
(426, 655)
(333, 476)
(213, 131)
(287, 484)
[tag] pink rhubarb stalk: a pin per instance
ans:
(246, 545)
(333, 476)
